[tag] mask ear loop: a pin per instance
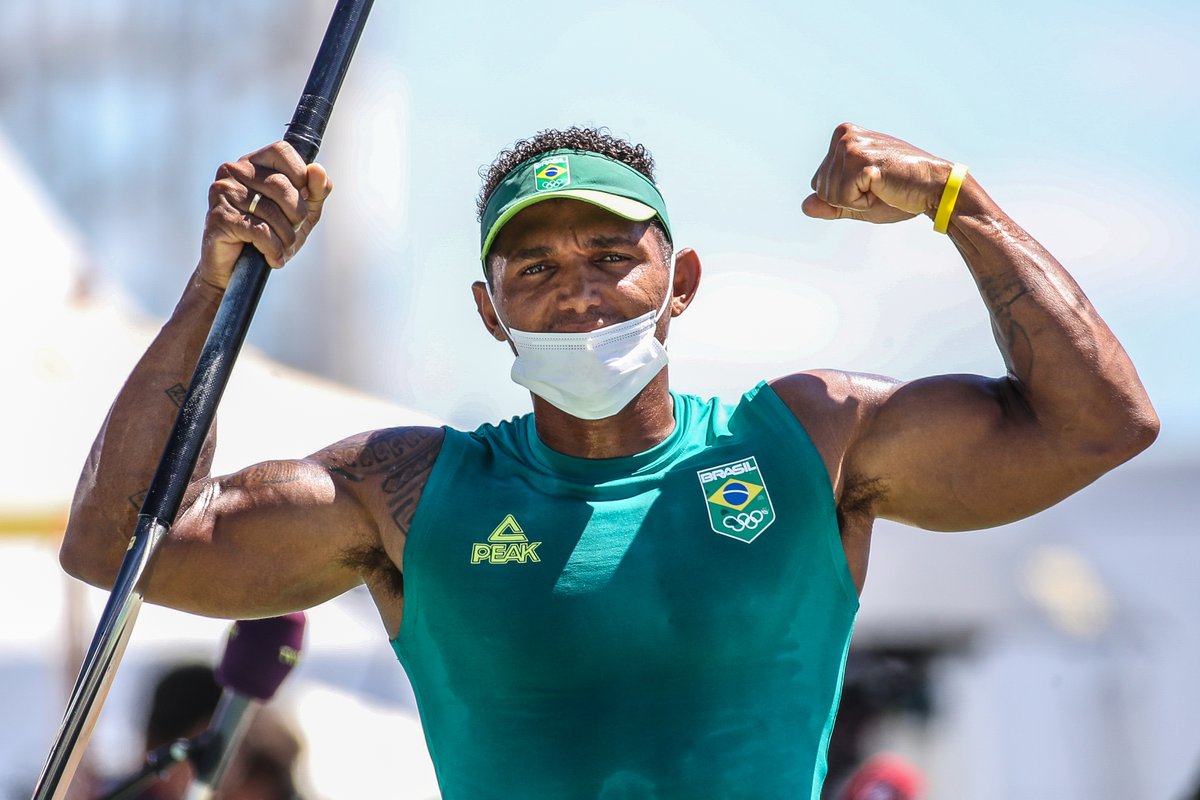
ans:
(670, 287)
(492, 299)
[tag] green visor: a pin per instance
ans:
(575, 174)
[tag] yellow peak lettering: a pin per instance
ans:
(506, 543)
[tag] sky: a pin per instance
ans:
(1078, 118)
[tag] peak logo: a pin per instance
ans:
(506, 544)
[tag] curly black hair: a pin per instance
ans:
(595, 140)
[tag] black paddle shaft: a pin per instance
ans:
(178, 460)
(241, 298)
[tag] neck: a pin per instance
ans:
(647, 420)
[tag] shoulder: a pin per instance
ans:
(381, 451)
(833, 407)
(825, 397)
(383, 466)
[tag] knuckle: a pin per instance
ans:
(225, 214)
(223, 187)
(280, 183)
(240, 171)
(286, 152)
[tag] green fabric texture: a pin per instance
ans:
(668, 626)
(576, 174)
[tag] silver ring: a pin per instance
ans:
(254, 202)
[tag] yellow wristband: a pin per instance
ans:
(941, 220)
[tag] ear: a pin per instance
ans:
(687, 280)
(487, 312)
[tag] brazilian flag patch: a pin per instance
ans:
(553, 173)
(737, 499)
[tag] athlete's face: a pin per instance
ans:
(568, 266)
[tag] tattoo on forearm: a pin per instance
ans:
(176, 393)
(1015, 345)
(1001, 293)
(136, 499)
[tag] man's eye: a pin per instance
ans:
(533, 270)
(612, 258)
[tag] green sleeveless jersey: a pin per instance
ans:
(668, 626)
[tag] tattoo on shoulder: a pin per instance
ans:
(344, 473)
(398, 458)
(269, 473)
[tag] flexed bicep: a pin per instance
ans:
(959, 452)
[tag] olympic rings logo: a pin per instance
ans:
(745, 521)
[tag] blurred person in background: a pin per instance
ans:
(630, 593)
(261, 766)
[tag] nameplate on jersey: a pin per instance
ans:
(736, 496)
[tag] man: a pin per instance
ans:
(630, 593)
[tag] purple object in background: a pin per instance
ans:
(260, 653)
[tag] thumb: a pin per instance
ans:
(315, 191)
(317, 185)
(817, 208)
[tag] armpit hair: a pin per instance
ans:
(376, 567)
(859, 497)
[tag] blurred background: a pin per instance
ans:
(1055, 657)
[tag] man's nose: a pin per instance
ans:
(579, 289)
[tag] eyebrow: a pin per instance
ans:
(526, 253)
(610, 241)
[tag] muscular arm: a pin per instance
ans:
(273, 537)
(280, 535)
(258, 542)
(957, 452)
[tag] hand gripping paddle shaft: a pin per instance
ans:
(195, 418)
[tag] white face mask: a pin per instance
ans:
(591, 375)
